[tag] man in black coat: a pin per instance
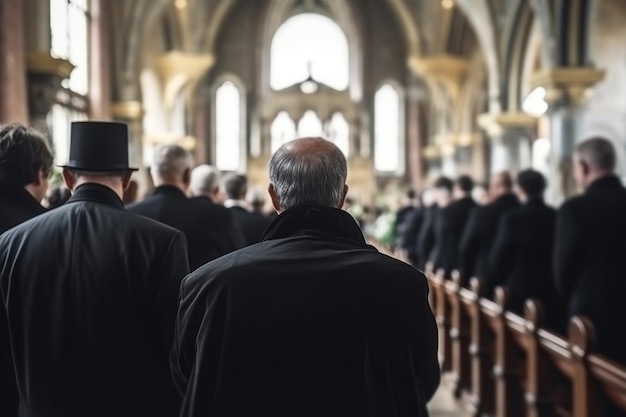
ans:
(521, 257)
(208, 236)
(311, 321)
(481, 229)
(25, 165)
(89, 294)
(590, 246)
(450, 225)
(252, 224)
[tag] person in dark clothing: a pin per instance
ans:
(311, 321)
(450, 225)
(205, 187)
(208, 235)
(443, 189)
(481, 229)
(589, 249)
(251, 224)
(25, 165)
(425, 239)
(410, 205)
(590, 246)
(89, 294)
(521, 257)
(57, 196)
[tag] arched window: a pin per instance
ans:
(309, 40)
(535, 103)
(69, 32)
(338, 132)
(283, 130)
(228, 127)
(310, 125)
(387, 131)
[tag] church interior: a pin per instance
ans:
(409, 90)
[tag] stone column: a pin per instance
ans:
(415, 139)
(510, 136)
(13, 107)
(566, 93)
(131, 112)
(45, 75)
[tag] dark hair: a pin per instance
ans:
(532, 183)
(444, 182)
(235, 186)
(465, 183)
(411, 194)
(23, 153)
(58, 196)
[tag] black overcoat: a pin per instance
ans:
(478, 238)
(251, 224)
(210, 231)
(16, 206)
(89, 295)
(311, 321)
(449, 227)
(521, 260)
(589, 255)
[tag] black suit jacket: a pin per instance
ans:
(209, 230)
(426, 236)
(312, 321)
(17, 206)
(251, 224)
(449, 227)
(478, 237)
(521, 259)
(89, 297)
(589, 255)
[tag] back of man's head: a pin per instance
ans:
(444, 184)
(465, 184)
(598, 153)
(532, 183)
(205, 180)
(501, 184)
(308, 171)
(24, 153)
(171, 163)
(235, 186)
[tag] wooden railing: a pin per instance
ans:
(509, 365)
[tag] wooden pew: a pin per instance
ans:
(442, 315)
(460, 326)
(480, 399)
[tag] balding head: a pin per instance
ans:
(593, 158)
(205, 181)
(501, 183)
(308, 171)
(171, 165)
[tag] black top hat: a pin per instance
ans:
(99, 147)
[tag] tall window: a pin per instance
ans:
(387, 131)
(338, 132)
(228, 127)
(69, 30)
(283, 130)
(309, 40)
(310, 125)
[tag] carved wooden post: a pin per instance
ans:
(539, 391)
(459, 335)
(584, 395)
(447, 321)
(481, 399)
(506, 363)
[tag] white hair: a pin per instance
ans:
(170, 160)
(204, 179)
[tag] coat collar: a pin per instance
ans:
(314, 220)
(96, 193)
(22, 198)
(604, 183)
(168, 190)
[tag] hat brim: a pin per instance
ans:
(104, 169)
